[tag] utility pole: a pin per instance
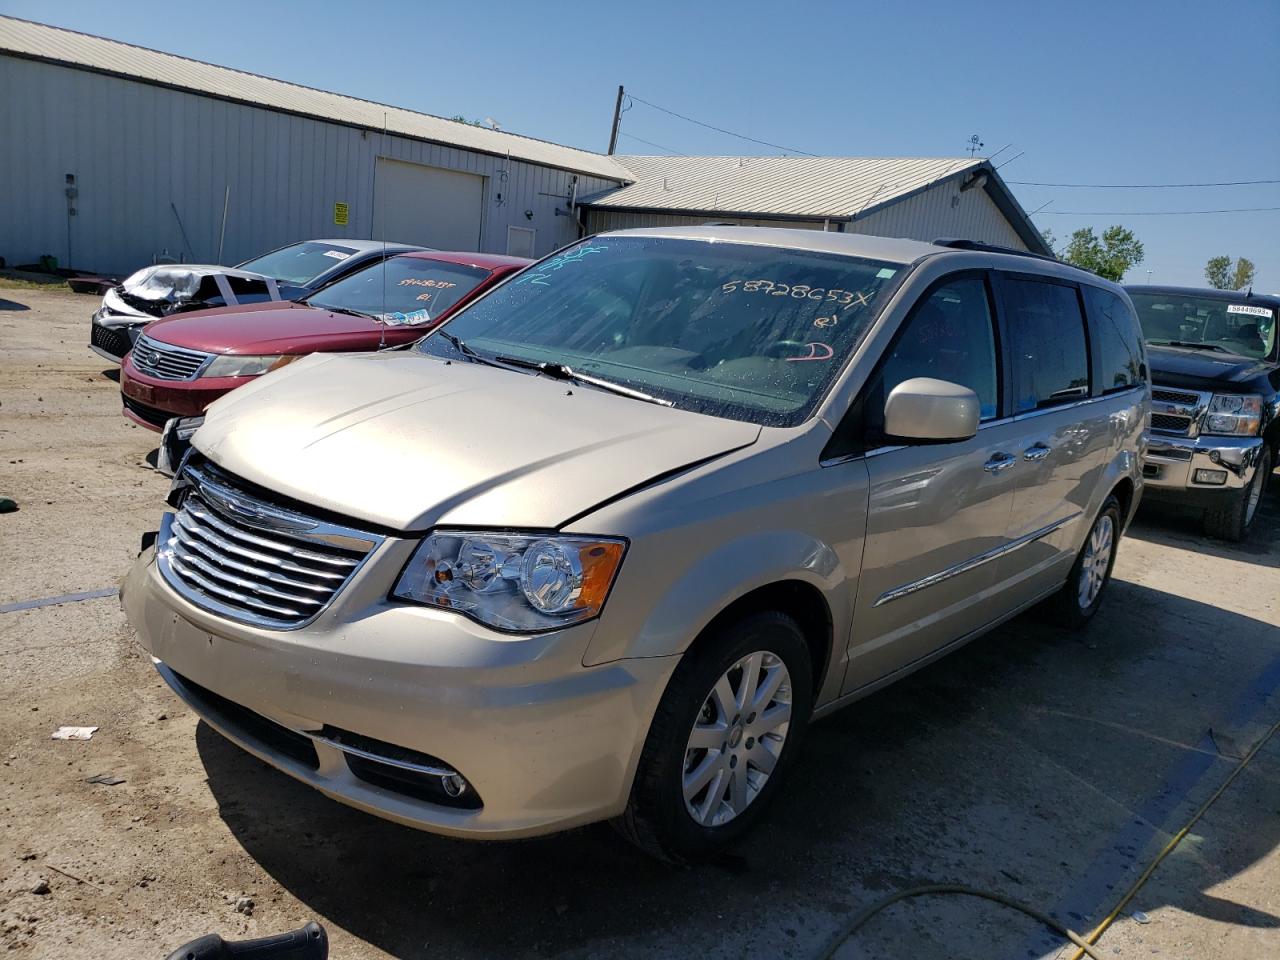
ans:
(617, 118)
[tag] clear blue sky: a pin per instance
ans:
(1114, 92)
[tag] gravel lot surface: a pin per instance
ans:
(1046, 766)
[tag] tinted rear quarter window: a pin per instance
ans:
(1046, 342)
(1117, 338)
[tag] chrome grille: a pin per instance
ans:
(1177, 412)
(1174, 396)
(239, 556)
(1170, 424)
(166, 362)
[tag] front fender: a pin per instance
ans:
(672, 617)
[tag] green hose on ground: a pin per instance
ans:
(853, 925)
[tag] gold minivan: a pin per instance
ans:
(604, 544)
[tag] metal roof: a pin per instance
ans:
(38, 41)
(817, 187)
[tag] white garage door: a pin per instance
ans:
(437, 208)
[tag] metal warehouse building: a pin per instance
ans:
(921, 199)
(158, 144)
(114, 156)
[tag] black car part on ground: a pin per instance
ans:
(306, 943)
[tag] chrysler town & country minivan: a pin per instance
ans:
(604, 544)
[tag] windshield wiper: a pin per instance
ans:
(465, 350)
(561, 371)
(347, 310)
(1190, 346)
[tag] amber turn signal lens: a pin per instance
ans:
(599, 566)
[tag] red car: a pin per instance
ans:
(181, 364)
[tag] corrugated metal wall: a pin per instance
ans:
(926, 216)
(135, 149)
(942, 211)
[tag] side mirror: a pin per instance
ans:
(931, 410)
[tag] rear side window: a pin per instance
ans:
(1047, 344)
(949, 336)
(1117, 340)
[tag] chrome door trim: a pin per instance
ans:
(897, 593)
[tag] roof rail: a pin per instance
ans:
(958, 243)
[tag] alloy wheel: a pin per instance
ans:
(737, 738)
(1096, 562)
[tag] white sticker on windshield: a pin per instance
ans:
(336, 254)
(399, 319)
(885, 273)
(1245, 308)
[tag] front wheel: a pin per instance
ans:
(723, 735)
(1235, 518)
(1080, 597)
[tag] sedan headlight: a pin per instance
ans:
(522, 583)
(230, 365)
(1234, 414)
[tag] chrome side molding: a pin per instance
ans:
(897, 593)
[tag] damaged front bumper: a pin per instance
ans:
(115, 327)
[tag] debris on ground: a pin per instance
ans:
(1140, 917)
(41, 887)
(106, 779)
(245, 905)
(8, 505)
(74, 733)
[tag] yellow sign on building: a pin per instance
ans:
(340, 214)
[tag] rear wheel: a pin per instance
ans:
(1078, 600)
(724, 733)
(1234, 519)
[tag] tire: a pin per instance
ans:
(1235, 518)
(1075, 604)
(658, 818)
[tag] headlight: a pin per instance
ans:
(230, 365)
(513, 582)
(1234, 414)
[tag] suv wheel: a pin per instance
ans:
(1234, 519)
(721, 740)
(1080, 597)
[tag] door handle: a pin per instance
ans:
(999, 462)
(1037, 451)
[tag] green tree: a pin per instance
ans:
(1109, 257)
(1050, 240)
(1222, 275)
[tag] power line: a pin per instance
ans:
(1141, 186)
(740, 136)
(632, 136)
(1150, 213)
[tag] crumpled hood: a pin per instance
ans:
(1201, 369)
(175, 285)
(410, 442)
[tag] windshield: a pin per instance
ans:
(402, 290)
(1244, 328)
(734, 330)
(298, 263)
